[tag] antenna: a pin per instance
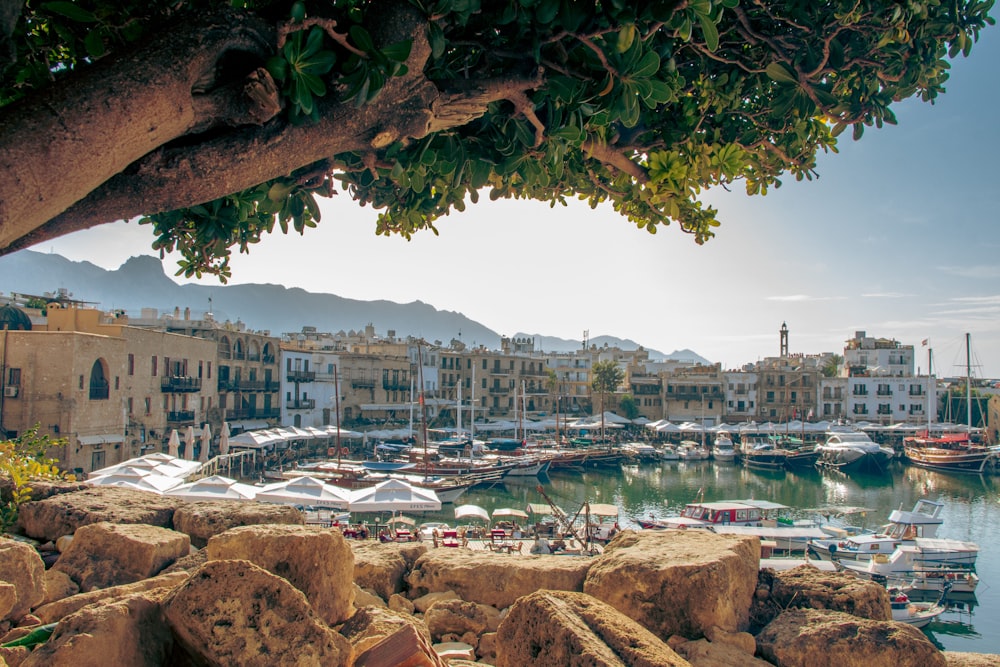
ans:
(586, 338)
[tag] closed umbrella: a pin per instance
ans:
(206, 442)
(224, 439)
(174, 444)
(189, 443)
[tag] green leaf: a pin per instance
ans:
(780, 73)
(94, 44)
(710, 30)
(399, 51)
(648, 65)
(362, 38)
(70, 11)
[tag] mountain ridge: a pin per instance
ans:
(141, 282)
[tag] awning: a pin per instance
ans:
(249, 424)
(103, 439)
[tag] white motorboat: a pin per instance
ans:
(917, 614)
(853, 450)
(903, 528)
(669, 453)
(689, 450)
(916, 559)
(723, 449)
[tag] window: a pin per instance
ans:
(99, 387)
(153, 365)
(131, 364)
(148, 404)
(97, 460)
(13, 377)
(130, 405)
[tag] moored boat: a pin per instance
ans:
(723, 448)
(761, 453)
(917, 614)
(853, 450)
(904, 527)
(953, 452)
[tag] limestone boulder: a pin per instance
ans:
(810, 588)
(8, 598)
(13, 656)
(404, 648)
(40, 489)
(188, 563)
(483, 577)
(127, 631)
(22, 567)
(370, 625)
(459, 617)
(678, 581)
(703, 653)
(399, 603)
(384, 567)
(317, 561)
(204, 519)
(424, 602)
(63, 513)
(232, 612)
(109, 554)
(53, 611)
(822, 638)
(963, 659)
(558, 628)
(367, 598)
(58, 585)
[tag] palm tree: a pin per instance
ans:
(606, 376)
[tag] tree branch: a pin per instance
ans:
(607, 155)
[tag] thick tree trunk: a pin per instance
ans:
(58, 146)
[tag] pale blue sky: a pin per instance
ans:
(897, 238)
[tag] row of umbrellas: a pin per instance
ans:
(165, 474)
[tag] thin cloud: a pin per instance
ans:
(977, 271)
(886, 295)
(802, 298)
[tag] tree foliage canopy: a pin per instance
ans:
(218, 120)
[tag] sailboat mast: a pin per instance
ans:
(458, 411)
(423, 410)
(336, 388)
(968, 382)
(931, 390)
(472, 407)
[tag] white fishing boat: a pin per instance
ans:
(904, 527)
(723, 449)
(689, 450)
(917, 558)
(917, 614)
(669, 453)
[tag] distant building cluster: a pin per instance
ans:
(115, 387)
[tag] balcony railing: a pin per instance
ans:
(301, 404)
(256, 385)
(360, 383)
(180, 416)
(500, 390)
(884, 392)
(180, 384)
(301, 376)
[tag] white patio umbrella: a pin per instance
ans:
(157, 463)
(394, 495)
(174, 443)
(136, 478)
(206, 442)
(305, 491)
(214, 488)
(472, 512)
(189, 443)
(344, 433)
(508, 511)
(224, 439)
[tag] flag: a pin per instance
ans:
(923, 342)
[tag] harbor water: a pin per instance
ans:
(971, 513)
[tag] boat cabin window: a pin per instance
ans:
(741, 515)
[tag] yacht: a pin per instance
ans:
(853, 450)
(723, 449)
(904, 527)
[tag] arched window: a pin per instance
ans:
(224, 349)
(99, 387)
(238, 352)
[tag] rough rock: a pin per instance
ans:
(52, 612)
(404, 648)
(498, 582)
(961, 659)
(58, 585)
(558, 628)
(63, 513)
(424, 602)
(8, 598)
(822, 638)
(40, 489)
(398, 603)
(458, 617)
(22, 567)
(678, 581)
(383, 567)
(128, 631)
(317, 561)
(487, 648)
(807, 587)
(702, 653)
(366, 598)
(107, 554)
(743, 641)
(204, 519)
(188, 563)
(232, 612)
(370, 625)
(13, 656)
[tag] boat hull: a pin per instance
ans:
(965, 460)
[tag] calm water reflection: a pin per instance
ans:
(972, 512)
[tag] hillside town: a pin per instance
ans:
(111, 386)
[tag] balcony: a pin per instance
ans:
(500, 390)
(859, 391)
(180, 416)
(301, 404)
(301, 376)
(403, 386)
(180, 384)
(362, 384)
(256, 385)
(917, 392)
(645, 390)
(884, 392)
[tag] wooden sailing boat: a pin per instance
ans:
(952, 452)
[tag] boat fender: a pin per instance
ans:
(344, 451)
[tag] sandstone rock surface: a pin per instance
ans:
(702, 653)
(370, 625)
(22, 567)
(107, 554)
(496, 581)
(52, 612)
(317, 561)
(232, 612)
(963, 659)
(559, 628)
(63, 513)
(821, 638)
(383, 567)
(203, 519)
(128, 631)
(810, 588)
(678, 581)
(58, 585)
(458, 617)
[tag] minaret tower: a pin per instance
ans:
(784, 340)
